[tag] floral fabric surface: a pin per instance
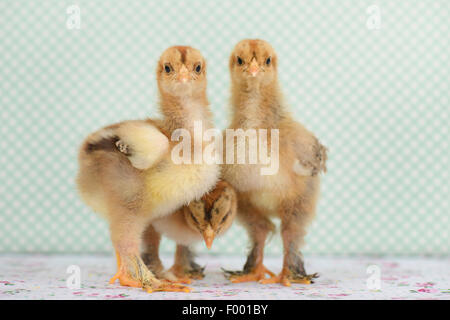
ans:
(46, 277)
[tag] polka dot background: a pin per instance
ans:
(378, 98)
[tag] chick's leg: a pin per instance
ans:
(185, 269)
(258, 226)
(294, 219)
(150, 255)
(126, 230)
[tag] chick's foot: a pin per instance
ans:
(132, 272)
(286, 277)
(257, 274)
(184, 274)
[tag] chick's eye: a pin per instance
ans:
(268, 61)
(225, 217)
(167, 69)
(239, 61)
(198, 68)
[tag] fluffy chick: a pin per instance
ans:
(141, 183)
(206, 219)
(291, 193)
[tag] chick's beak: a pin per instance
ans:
(208, 236)
(183, 74)
(253, 69)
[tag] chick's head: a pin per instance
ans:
(214, 213)
(253, 61)
(181, 70)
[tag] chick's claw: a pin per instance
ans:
(183, 280)
(182, 275)
(125, 280)
(257, 274)
(286, 278)
(149, 285)
(169, 276)
(196, 274)
(169, 286)
(134, 273)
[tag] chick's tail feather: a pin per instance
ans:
(141, 142)
(108, 144)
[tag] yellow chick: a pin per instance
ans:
(291, 193)
(134, 187)
(207, 218)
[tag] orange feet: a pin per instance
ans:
(168, 287)
(286, 278)
(146, 279)
(184, 280)
(179, 274)
(257, 274)
(124, 279)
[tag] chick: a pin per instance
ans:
(207, 218)
(291, 193)
(126, 171)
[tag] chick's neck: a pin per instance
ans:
(182, 112)
(257, 106)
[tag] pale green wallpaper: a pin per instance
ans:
(376, 92)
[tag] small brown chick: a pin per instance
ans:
(126, 171)
(206, 219)
(290, 194)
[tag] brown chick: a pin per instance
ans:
(291, 193)
(126, 171)
(206, 219)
